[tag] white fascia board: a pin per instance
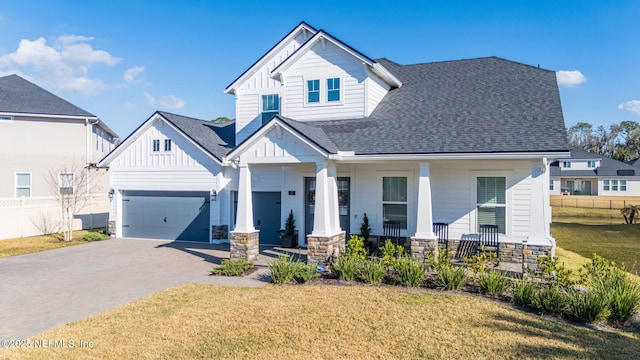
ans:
(107, 129)
(288, 62)
(272, 124)
(51, 116)
(460, 156)
(140, 130)
(387, 76)
(231, 89)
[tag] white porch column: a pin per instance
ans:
(244, 217)
(322, 223)
(539, 228)
(424, 221)
(334, 206)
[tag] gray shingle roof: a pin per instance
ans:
(18, 95)
(217, 139)
(314, 133)
(477, 105)
(608, 166)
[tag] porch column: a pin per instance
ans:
(326, 239)
(539, 228)
(424, 239)
(245, 238)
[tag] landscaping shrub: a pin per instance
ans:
(482, 262)
(95, 236)
(347, 267)
(233, 267)
(373, 271)
(410, 271)
(443, 259)
(590, 306)
(391, 253)
(523, 292)
(355, 247)
(304, 273)
(492, 283)
(550, 300)
(552, 271)
(624, 297)
(451, 278)
(283, 269)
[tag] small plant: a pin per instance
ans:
(482, 262)
(232, 267)
(290, 225)
(550, 300)
(410, 272)
(365, 228)
(451, 278)
(391, 253)
(630, 212)
(347, 267)
(590, 306)
(373, 271)
(355, 247)
(95, 236)
(552, 271)
(624, 297)
(523, 292)
(283, 269)
(443, 259)
(492, 283)
(305, 273)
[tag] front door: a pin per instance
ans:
(266, 216)
(344, 195)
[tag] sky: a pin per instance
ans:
(123, 60)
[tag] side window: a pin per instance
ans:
(394, 200)
(491, 201)
(156, 145)
(167, 144)
(313, 91)
(270, 107)
(23, 184)
(333, 89)
(66, 183)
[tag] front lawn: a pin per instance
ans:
(26, 245)
(326, 322)
(619, 243)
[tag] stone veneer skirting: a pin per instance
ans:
(420, 247)
(245, 245)
(518, 253)
(321, 250)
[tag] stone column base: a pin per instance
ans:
(321, 250)
(245, 245)
(420, 247)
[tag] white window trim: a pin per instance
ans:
(16, 187)
(73, 181)
(324, 92)
(161, 148)
(566, 162)
(412, 197)
(306, 92)
(473, 181)
(618, 184)
(261, 107)
(594, 162)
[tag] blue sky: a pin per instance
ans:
(122, 60)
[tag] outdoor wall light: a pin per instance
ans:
(214, 195)
(112, 192)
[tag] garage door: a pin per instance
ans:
(166, 215)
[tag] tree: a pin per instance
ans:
(618, 141)
(221, 120)
(69, 185)
(630, 212)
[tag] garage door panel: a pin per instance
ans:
(166, 215)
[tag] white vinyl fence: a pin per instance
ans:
(28, 216)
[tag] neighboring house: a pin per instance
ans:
(583, 173)
(328, 133)
(41, 133)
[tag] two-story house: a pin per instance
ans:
(43, 137)
(330, 134)
(584, 173)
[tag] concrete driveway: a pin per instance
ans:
(48, 289)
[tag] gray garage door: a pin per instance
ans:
(166, 215)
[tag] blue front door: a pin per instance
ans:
(266, 216)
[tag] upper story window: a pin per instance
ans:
(270, 107)
(566, 164)
(591, 164)
(167, 144)
(23, 184)
(333, 89)
(156, 145)
(66, 183)
(313, 91)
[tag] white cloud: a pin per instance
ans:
(570, 78)
(132, 73)
(64, 66)
(631, 105)
(165, 102)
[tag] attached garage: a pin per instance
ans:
(167, 215)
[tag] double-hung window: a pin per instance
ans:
(623, 185)
(394, 200)
(333, 89)
(156, 145)
(167, 144)
(23, 184)
(614, 185)
(66, 183)
(313, 91)
(270, 107)
(591, 164)
(566, 164)
(491, 201)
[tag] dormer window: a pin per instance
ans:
(591, 164)
(566, 164)
(270, 107)
(333, 89)
(313, 91)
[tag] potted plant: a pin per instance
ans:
(289, 236)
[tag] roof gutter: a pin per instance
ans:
(350, 156)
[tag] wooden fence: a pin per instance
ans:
(592, 202)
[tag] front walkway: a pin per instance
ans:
(44, 290)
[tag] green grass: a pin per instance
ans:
(26, 245)
(326, 322)
(587, 216)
